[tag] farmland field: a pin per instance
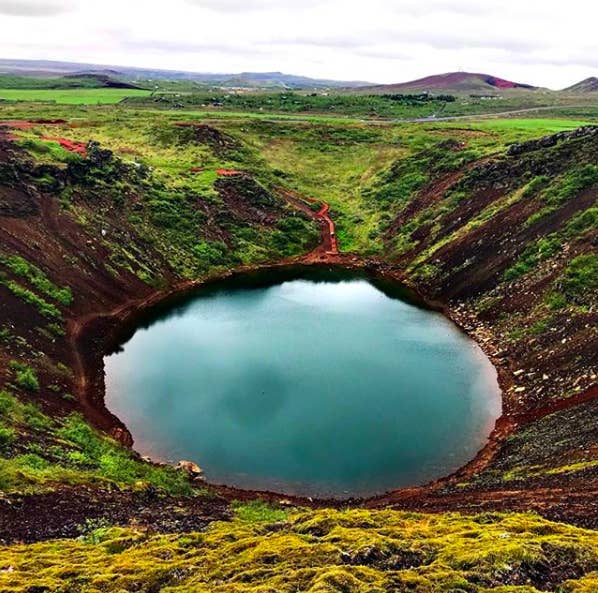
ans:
(73, 97)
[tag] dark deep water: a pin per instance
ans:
(321, 386)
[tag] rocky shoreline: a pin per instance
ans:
(95, 336)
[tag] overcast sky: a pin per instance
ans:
(550, 43)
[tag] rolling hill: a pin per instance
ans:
(84, 80)
(261, 80)
(589, 85)
(454, 82)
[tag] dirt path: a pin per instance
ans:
(425, 120)
(328, 239)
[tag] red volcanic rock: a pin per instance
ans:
(227, 172)
(70, 145)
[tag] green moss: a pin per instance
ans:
(322, 551)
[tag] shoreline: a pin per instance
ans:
(94, 336)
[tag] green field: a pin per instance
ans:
(72, 97)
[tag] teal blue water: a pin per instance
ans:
(321, 388)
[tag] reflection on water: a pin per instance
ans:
(320, 388)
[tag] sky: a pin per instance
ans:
(551, 43)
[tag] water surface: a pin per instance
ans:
(306, 387)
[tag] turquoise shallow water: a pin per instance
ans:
(305, 387)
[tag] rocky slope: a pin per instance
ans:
(82, 240)
(508, 246)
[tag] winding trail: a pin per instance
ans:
(328, 239)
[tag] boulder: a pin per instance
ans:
(191, 468)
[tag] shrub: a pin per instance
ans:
(25, 376)
(555, 301)
(534, 186)
(211, 253)
(574, 182)
(5, 335)
(580, 280)
(582, 222)
(570, 185)
(21, 267)
(8, 404)
(7, 437)
(46, 309)
(35, 418)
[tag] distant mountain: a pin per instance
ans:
(453, 82)
(244, 79)
(589, 85)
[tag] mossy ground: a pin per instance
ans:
(362, 551)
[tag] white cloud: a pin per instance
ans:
(34, 8)
(548, 43)
(244, 6)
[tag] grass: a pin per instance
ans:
(38, 279)
(317, 552)
(580, 280)
(78, 96)
(44, 307)
(258, 511)
(532, 124)
(72, 452)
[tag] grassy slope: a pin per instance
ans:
(336, 163)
